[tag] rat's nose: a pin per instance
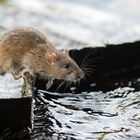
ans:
(80, 74)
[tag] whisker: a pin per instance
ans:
(88, 71)
(86, 57)
(62, 83)
(89, 66)
(89, 62)
(71, 84)
(67, 84)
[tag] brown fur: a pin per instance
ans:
(26, 48)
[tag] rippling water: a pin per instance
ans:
(73, 24)
(87, 116)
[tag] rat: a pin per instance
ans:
(25, 52)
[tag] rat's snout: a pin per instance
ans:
(74, 76)
(79, 75)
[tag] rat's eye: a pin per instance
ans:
(66, 66)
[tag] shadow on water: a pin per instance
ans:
(105, 105)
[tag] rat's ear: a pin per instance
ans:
(51, 57)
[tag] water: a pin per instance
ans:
(87, 116)
(103, 115)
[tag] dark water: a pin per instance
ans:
(87, 116)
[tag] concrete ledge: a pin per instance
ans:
(15, 117)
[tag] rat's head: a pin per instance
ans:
(62, 66)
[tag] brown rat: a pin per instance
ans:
(25, 50)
